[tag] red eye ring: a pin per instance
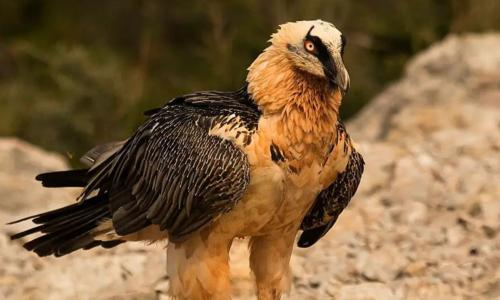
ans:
(309, 46)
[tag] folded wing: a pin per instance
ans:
(332, 201)
(172, 173)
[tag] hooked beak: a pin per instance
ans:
(337, 74)
(342, 80)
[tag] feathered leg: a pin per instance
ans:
(198, 268)
(270, 262)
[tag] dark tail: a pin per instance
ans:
(69, 228)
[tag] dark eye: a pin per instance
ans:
(309, 46)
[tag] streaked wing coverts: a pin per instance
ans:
(172, 173)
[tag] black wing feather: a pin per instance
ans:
(178, 171)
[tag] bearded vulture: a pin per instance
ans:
(266, 161)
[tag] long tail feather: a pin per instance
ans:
(69, 228)
(70, 178)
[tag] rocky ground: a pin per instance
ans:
(424, 225)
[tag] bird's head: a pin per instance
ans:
(303, 67)
(315, 47)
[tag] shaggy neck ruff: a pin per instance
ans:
(308, 106)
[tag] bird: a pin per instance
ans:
(267, 162)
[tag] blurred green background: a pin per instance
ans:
(77, 73)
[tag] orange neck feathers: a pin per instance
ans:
(308, 106)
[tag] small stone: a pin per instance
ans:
(383, 264)
(489, 231)
(314, 284)
(473, 251)
(475, 210)
(162, 286)
(366, 291)
(455, 235)
(416, 212)
(415, 268)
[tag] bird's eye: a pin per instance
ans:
(309, 46)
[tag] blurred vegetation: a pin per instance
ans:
(76, 73)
